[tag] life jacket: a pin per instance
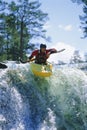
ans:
(41, 58)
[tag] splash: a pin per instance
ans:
(28, 102)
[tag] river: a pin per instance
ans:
(28, 102)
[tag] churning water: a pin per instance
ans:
(28, 102)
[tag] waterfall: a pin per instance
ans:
(28, 102)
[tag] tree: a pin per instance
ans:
(80, 1)
(77, 1)
(22, 23)
(76, 58)
(84, 17)
(85, 55)
(2, 31)
(2, 5)
(29, 21)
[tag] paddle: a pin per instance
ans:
(27, 61)
(34, 58)
(60, 50)
(23, 61)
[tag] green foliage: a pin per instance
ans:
(77, 1)
(20, 23)
(83, 18)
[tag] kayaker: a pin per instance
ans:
(41, 55)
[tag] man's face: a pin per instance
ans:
(43, 49)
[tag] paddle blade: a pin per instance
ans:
(60, 50)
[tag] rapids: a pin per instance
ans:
(28, 102)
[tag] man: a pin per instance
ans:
(41, 56)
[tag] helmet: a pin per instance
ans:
(42, 46)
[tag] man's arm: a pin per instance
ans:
(51, 51)
(34, 53)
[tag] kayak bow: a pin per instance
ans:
(41, 70)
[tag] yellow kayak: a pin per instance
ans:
(41, 70)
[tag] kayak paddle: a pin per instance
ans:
(60, 50)
(34, 58)
(27, 61)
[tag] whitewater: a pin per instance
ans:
(28, 102)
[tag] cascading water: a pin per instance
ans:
(28, 102)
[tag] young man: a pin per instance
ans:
(40, 56)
